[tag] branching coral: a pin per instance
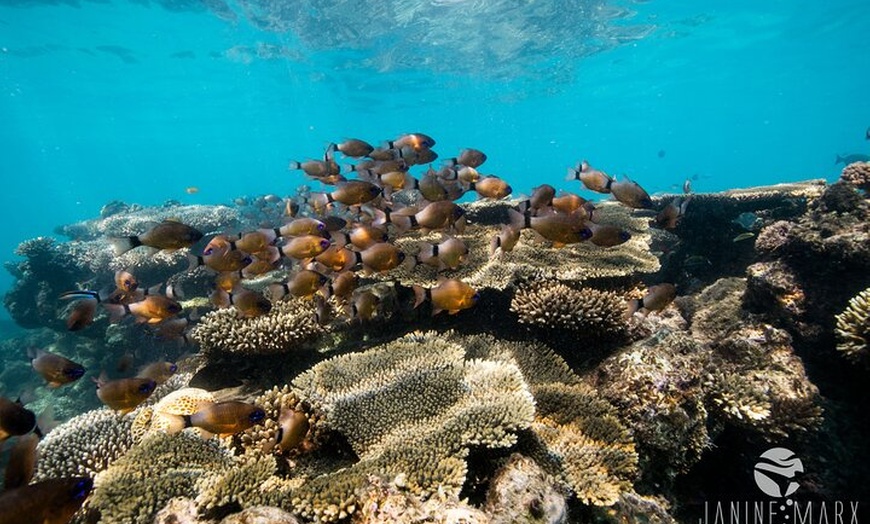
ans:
(853, 327)
(857, 174)
(523, 493)
(588, 312)
(288, 325)
(159, 468)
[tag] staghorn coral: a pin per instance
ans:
(262, 437)
(587, 312)
(92, 441)
(288, 325)
(857, 174)
(159, 468)
(853, 327)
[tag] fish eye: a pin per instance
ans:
(321, 226)
(324, 243)
(257, 415)
(586, 233)
(82, 488)
(173, 368)
(624, 235)
(147, 387)
(208, 251)
(75, 372)
(247, 260)
(476, 297)
(401, 256)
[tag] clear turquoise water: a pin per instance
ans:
(138, 100)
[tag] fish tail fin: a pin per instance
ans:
(494, 245)
(632, 307)
(117, 311)
(839, 160)
(174, 292)
(331, 148)
(518, 220)
(452, 162)
(121, 245)
(403, 223)
(294, 165)
(177, 423)
(573, 174)
(278, 291)
(420, 295)
(194, 261)
(410, 262)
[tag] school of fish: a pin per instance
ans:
(329, 242)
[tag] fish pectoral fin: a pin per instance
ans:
(558, 245)
(436, 310)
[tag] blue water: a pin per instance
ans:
(138, 100)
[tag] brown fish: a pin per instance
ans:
(352, 147)
(505, 240)
(15, 419)
(159, 372)
(221, 418)
(22, 462)
(342, 285)
(450, 295)
(557, 228)
(449, 254)
(248, 304)
(670, 216)
(253, 242)
(350, 193)
(380, 257)
(306, 246)
(304, 284)
(416, 141)
(657, 298)
(631, 194)
(316, 168)
(430, 187)
(593, 179)
(542, 196)
(468, 157)
(363, 236)
(220, 260)
(126, 282)
(364, 306)
(82, 314)
(52, 501)
(568, 203)
(607, 236)
(436, 215)
(153, 309)
(124, 394)
(491, 187)
(302, 226)
(168, 235)
(55, 369)
(337, 258)
(292, 429)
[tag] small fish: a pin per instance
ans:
(449, 254)
(126, 282)
(416, 141)
(568, 203)
(221, 418)
(337, 258)
(316, 168)
(306, 246)
(867, 134)
(350, 193)
(169, 235)
(436, 215)
(607, 236)
(491, 187)
(468, 157)
(662, 153)
(364, 306)
(851, 159)
(300, 227)
(557, 228)
(591, 178)
(363, 236)
(124, 394)
(253, 242)
(505, 240)
(431, 188)
(159, 372)
(248, 304)
(542, 196)
(82, 314)
(304, 284)
(670, 216)
(52, 501)
(631, 194)
(450, 295)
(655, 299)
(696, 260)
(342, 285)
(153, 309)
(748, 221)
(743, 236)
(293, 427)
(55, 369)
(191, 190)
(15, 419)
(380, 257)
(22, 462)
(352, 147)
(687, 186)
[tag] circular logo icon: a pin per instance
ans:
(775, 470)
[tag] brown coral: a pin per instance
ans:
(586, 311)
(853, 327)
(288, 325)
(857, 174)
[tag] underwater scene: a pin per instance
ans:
(434, 261)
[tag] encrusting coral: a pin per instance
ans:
(853, 327)
(857, 174)
(588, 312)
(288, 325)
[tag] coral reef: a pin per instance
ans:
(853, 327)
(288, 325)
(857, 174)
(586, 312)
(522, 492)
